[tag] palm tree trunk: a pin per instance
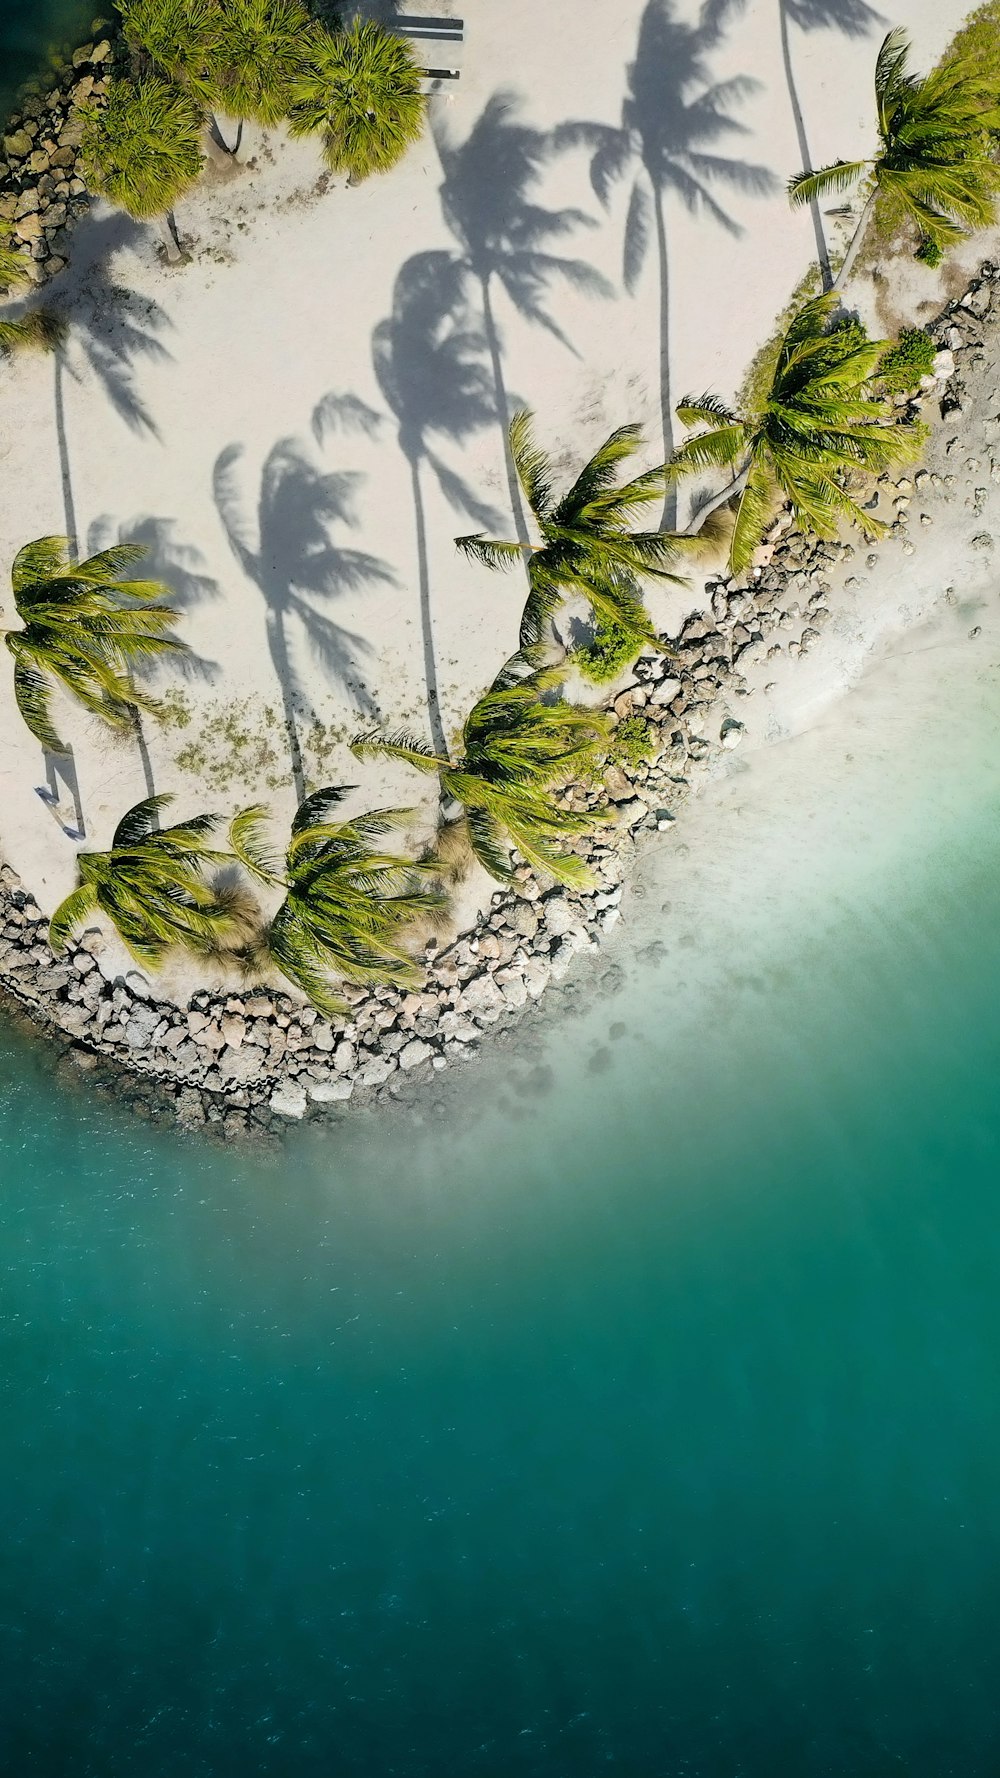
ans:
(166, 228)
(278, 644)
(147, 764)
(856, 239)
(69, 510)
(822, 250)
(712, 504)
(214, 146)
(430, 662)
(503, 415)
(668, 521)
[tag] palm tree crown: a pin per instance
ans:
(261, 52)
(142, 149)
(150, 885)
(347, 902)
(360, 89)
(84, 626)
(934, 162)
(588, 546)
(818, 419)
(515, 749)
(180, 36)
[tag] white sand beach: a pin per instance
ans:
(228, 411)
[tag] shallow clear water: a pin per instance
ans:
(635, 1411)
(29, 29)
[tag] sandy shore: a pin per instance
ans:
(229, 413)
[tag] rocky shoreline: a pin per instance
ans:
(42, 195)
(240, 1063)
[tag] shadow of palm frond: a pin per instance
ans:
(432, 366)
(106, 328)
(289, 553)
(673, 118)
(179, 566)
(505, 236)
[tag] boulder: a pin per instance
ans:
(329, 1092)
(289, 1100)
(414, 1052)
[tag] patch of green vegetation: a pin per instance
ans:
(632, 742)
(929, 252)
(911, 358)
(978, 40)
(612, 648)
(238, 743)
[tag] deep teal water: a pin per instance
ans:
(29, 29)
(637, 1413)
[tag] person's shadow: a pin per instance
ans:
(505, 237)
(673, 116)
(289, 553)
(432, 366)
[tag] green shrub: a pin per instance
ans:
(929, 252)
(632, 742)
(911, 358)
(612, 648)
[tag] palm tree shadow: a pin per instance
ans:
(673, 116)
(179, 566)
(432, 365)
(288, 552)
(108, 329)
(504, 236)
(855, 18)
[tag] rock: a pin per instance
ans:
(414, 1052)
(289, 1100)
(617, 786)
(558, 915)
(665, 693)
(323, 1037)
(140, 1027)
(240, 1064)
(17, 145)
(482, 998)
(375, 1072)
(513, 988)
(233, 1029)
(732, 732)
(329, 1092)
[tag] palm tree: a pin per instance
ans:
(359, 89)
(672, 118)
(142, 150)
(347, 902)
(855, 18)
(934, 163)
(518, 745)
(587, 544)
(504, 236)
(260, 54)
(84, 626)
(818, 421)
(429, 364)
(151, 886)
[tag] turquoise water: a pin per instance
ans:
(29, 29)
(635, 1411)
